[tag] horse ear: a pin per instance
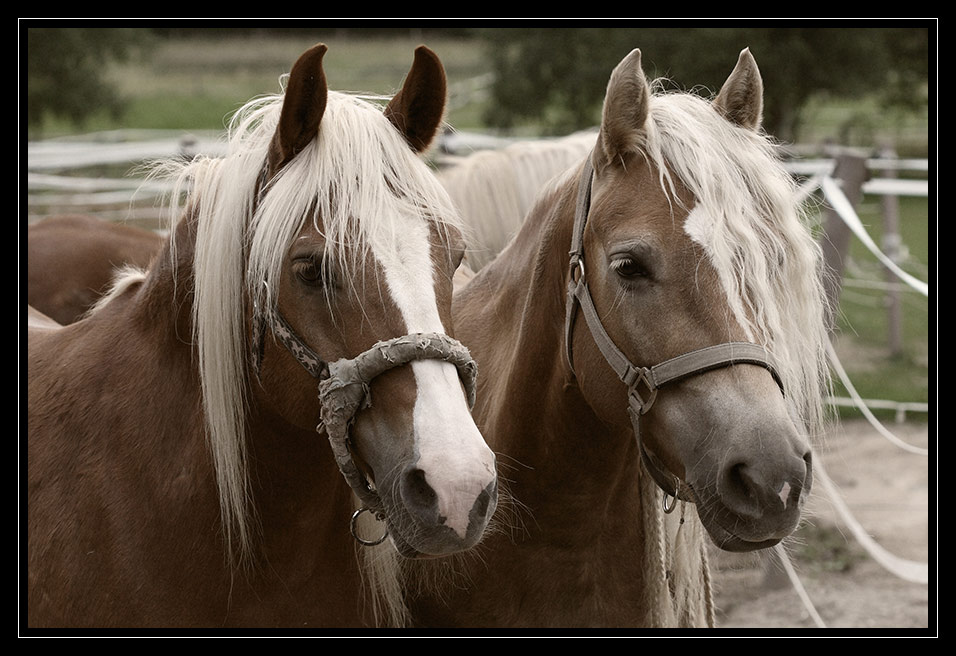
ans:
(302, 108)
(740, 100)
(418, 108)
(625, 111)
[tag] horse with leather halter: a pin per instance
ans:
(175, 473)
(651, 343)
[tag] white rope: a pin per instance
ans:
(841, 204)
(807, 188)
(835, 362)
(798, 585)
(908, 570)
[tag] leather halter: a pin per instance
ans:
(643, 383)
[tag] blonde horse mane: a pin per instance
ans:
(357, 175)
(757, 237)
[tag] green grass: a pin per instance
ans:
(863, 327)
(195, 84)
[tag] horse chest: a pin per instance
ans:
(544, 584)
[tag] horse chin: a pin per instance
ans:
(730, 532)
(727, 541)
(438, 545)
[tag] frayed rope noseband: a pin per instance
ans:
(344, 390)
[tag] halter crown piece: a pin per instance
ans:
(643, 383)
(344, 389)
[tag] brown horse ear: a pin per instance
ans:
(302, 108)
(418, 108)
(625, 111)
(740, 100)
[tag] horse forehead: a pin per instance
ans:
(623, 209)
(636, 183)
(400, 263)
(700, 226)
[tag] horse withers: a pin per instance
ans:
(651, 343)
(175, 473)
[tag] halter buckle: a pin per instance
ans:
(642, 392)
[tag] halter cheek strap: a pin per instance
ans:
(643, 383)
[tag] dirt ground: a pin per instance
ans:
(888, 490)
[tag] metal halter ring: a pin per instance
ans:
(668, 509)
(577, 266)
(675, 497)
(380, 516)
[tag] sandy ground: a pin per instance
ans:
(888, 491)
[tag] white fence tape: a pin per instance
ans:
(908, 570)
(842, 206)
(841, 372)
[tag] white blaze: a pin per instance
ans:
(699, 226)
(458, 465)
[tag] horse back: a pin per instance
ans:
(71, 261)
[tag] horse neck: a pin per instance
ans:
(295, 480)
(579, 497)
(296, 490)
(529, 408)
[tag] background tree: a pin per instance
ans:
(65, 71)
(559, 74)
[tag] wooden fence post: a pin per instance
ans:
(891, 246)
(850, 170)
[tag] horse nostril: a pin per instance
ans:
(751, 490)
(420, 498)
(485, 504)
(739, 489)
(808, 476)
(750, 494)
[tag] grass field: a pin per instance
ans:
(195, 84)
(863, 335)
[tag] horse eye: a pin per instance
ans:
(628, 267)
(309, 270)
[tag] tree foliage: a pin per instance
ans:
(65, 69)
(559, 74)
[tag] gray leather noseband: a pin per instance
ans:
(643, 383)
